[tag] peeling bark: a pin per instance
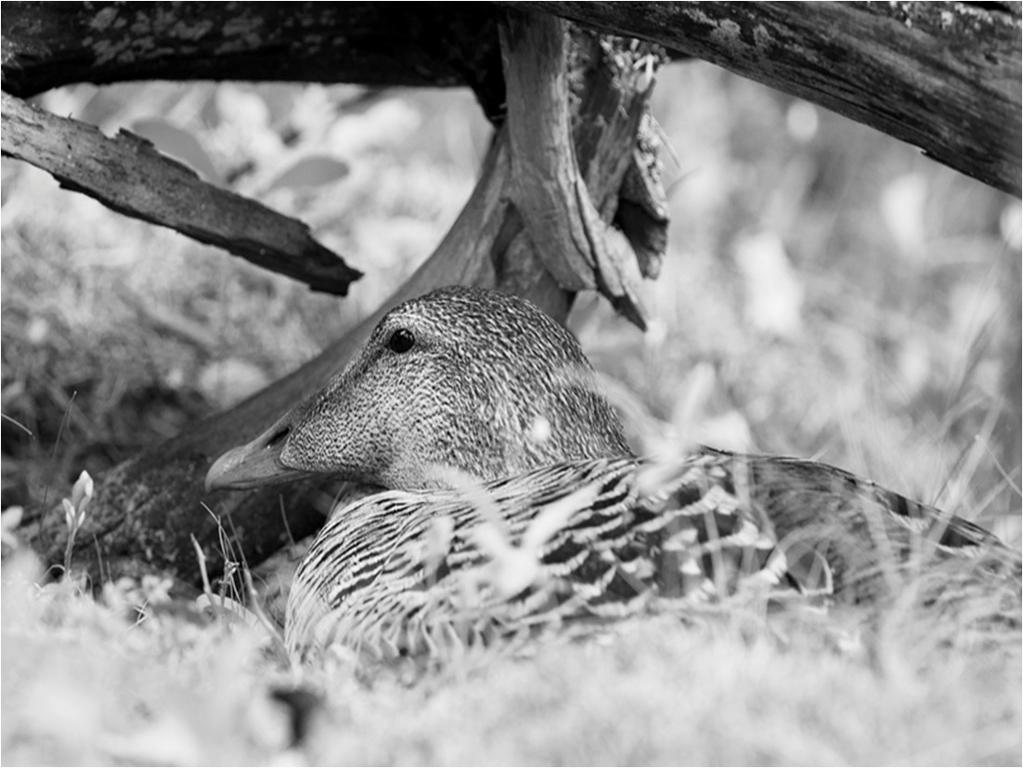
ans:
(945, 77)
(567, 232)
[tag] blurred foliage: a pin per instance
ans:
(832, 293)
(857, 302)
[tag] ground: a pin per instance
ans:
(829, 293)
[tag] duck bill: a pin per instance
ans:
(255, 464)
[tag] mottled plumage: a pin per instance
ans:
(516, 504)
(485, 370)
(413, 572)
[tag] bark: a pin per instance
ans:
(127, 174)
(574, 243)
(46, 45)
(943, 76)
(146, 509)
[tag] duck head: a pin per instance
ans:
(462, 378)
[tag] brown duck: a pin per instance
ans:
(514, 501)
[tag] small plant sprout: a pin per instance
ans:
(74, 513)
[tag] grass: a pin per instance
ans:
(892, 356)
(84, 684)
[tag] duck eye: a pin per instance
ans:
(401, 340)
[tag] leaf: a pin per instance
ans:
(11, 518)
(81, 493)
(311, 171)
(69, 513)
(774, 291)
(903, 204)
(179, 144)
(243, 106)
(229, 381)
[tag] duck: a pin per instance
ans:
(506, 500)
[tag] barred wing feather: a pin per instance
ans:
(413, 572)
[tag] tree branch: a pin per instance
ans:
(46, 45)
(127, 174)
(942, 76)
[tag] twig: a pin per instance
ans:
(17, 423)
